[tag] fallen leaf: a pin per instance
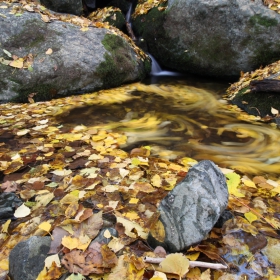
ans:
(22, 211)
(175, 263)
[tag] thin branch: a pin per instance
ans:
(192, 263)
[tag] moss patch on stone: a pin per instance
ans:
(258, 104)
(43, 93)
(118, 62)
(262, 20)
(265, 55)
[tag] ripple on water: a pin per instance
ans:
(183, 120)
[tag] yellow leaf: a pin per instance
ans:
(233, 183)
(135, 161)
(133, 200)
(132, 229)
(251, 217)
(159, 276)
(69, 198)
(249, 183)
(4, 264)
(6, 226)
(193, 257)
(277, 190)
(158, 231)
(134, 273)
(156, 181)
(45, 226)
(70, 242)
(132, 215)
(115, 244)
(175, 263)
(49, 51)
(17, 63)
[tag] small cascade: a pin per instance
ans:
(128, 20)
(157, 70)
(128, 14)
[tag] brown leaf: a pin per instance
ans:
(109, 258)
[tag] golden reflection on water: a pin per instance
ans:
(183, 120)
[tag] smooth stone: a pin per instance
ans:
(27, 258)
(193, 207)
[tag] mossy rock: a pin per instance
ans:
(257, 103)
(119, 64)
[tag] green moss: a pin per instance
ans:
(265, 55)
(43, 93)
(117, 19)
(118, 62)
(262, 20)
(258, 104)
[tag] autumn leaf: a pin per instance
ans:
(22, 211)
(233, 183)
(49, 51)
(175, 263)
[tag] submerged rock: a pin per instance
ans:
(193, 207)
(74, 7)
(214, 38)
(27, 258)
(79, 61)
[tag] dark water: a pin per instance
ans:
(184, 116)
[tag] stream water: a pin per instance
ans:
(185, 117)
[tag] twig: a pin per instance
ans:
(192, 263)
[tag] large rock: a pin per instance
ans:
(74, 7)
(212, 37)
(80, 61)
(27, 258)
(193, 207)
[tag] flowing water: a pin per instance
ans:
(184, 117)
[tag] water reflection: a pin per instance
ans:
(179, 119)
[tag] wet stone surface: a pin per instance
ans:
(193, 207)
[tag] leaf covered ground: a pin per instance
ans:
(75, 180)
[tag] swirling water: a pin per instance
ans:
(185, 118)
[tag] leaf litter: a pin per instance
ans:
(73, 179)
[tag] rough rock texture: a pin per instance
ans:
(100, 238)
(74, 7)
(8, 204)
(27, 258)
(215, 38)
(80, 62)
(193, 207)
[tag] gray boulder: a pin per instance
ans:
(80, 61)
(74, 7)
(214, 38)
(27, 258)
(193, 207)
